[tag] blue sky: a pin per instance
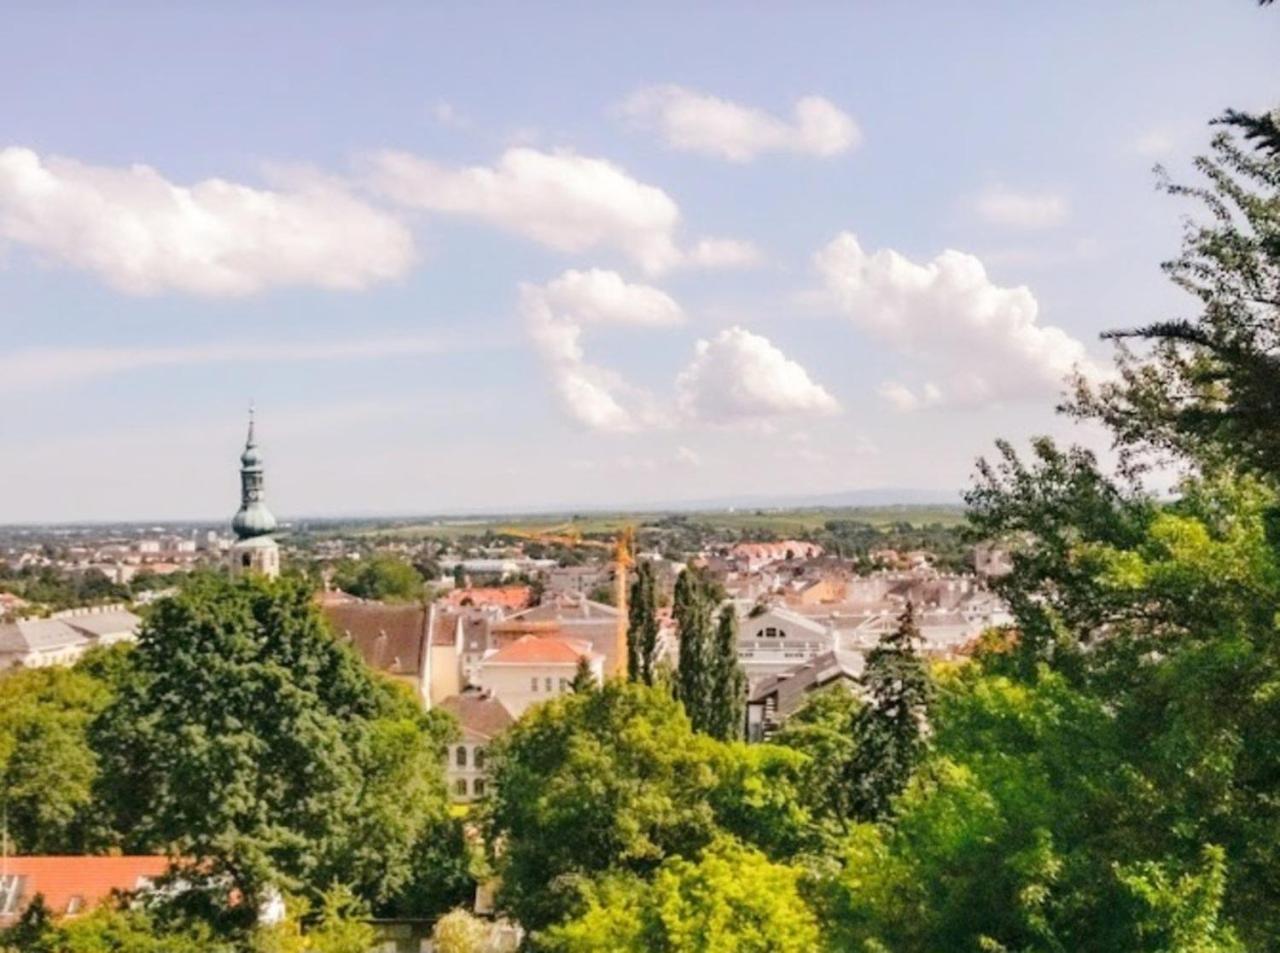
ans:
(513, 255)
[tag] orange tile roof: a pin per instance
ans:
(506, 597)
(541, 650)
(90, 879)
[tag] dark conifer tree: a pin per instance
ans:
(889, 731)
(692, 609)
(584, 680)
(642, 630)
(727, 701)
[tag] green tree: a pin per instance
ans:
(822, 729)
(693, 609)
(458, 931)
(730, 899)
(386, 578)
(1206, 387)
(726, 706)
(888, 733)
(642, 628)
(48, 767)
(256, 746)
(616, 781)
(584, 680)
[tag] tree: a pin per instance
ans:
(692, 609)
(256, 746)
(384, 578)
(730, 899)
(584, 680)
(48, 767)
(727, 697)
(1207, 388)
(458, 931)
(616, 781)
(642, 629)
(888, 733)
(822, 729)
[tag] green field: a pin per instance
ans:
(782, 522)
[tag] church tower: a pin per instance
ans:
(254, 549)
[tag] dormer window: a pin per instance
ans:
(10, 893)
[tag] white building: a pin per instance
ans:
(481, 718)
(64, 637)
(535, 668)
(774, 639)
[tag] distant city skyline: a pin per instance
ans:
(527, 258)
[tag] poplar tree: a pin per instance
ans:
(888, 732)
(692, 610)
(642, 630)
(727, 701)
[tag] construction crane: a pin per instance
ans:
(623, 558)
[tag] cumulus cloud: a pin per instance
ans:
(563, 200)
(691, 121)
(975, 342)
(1002, 206)
(144, 235)
(738, 376)
(555, 315)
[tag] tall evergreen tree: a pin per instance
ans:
(727, 698)
(692, 609)
(889, 730)
(642, 630)
(584, 680)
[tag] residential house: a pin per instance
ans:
(390, 638)
(535, 668)
(777, 697)
(772, 639)
(72, 885)
(481, 718)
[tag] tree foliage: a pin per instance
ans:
(381, 577)
(889, 730)
(642, 628)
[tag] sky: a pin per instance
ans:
(500, 256)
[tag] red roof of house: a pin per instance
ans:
(506, 597)
(540, 650)
(86, 880)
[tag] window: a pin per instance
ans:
(462, 756)
(478, 760)
(10, 893)
(75, 905)
(477, 788)
(564, 684)
(548, 681)
(533, 684)
(460, 787)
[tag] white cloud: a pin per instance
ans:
(1002, 206)
(698, 122)
(598, 296)
(688, 456)
(724, 253)
(739, 376)
(555, 315)
(568, 202)
(144, 235)
(36, 368)
(979, 343)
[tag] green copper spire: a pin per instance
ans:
(253, 518)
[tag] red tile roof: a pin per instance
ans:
(87, 880)
(479, 713)
(506, 597)
(540, 650)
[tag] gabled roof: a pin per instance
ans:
(388, 637)
(790, 687)
(480, 714)
(86, 880)
(506, 597)
(540, 650)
